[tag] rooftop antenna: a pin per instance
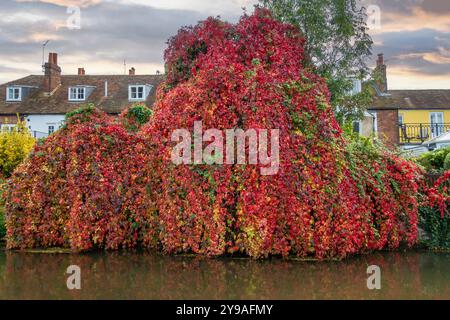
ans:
(43, 54)
(124, 66)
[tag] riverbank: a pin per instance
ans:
(420, 248)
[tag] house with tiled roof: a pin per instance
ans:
(408, 118)
(43, 100)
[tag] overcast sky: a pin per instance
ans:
(413, 34)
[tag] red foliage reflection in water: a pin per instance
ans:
(150, 276)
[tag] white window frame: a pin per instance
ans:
(440, 130)
(50, 131)
(437, 113)
(78, 90)
(130, 89)
(9, 98)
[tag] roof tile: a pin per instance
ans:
(114, 103)
(413, 99)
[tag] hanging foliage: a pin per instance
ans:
(95, 184)
(323, 202)
(82, 187)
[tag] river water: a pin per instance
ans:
(407, 275)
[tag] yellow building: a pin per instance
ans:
(408, 118)
(411, 117)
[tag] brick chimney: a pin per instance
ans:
(52, 76)
(81, 72)
(132, 71)
(381, 73)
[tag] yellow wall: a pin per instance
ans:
(421, 116)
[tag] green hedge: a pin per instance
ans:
(434, 161)
(437, 228)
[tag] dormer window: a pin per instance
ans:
(136, 93)
(77, 93)
(13, 94)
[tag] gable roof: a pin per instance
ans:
(412, 100)
(57, 103)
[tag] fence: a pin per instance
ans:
(417, 133)
(39, 135)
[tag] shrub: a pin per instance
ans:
(15, 145)
(434, 160)
(446, 166)
(95, 184)
(389, 187)
(135, 117)
(82, 187)
(437, 228)
(435, 214)
(250, 75)
(189, 45)
(84, 113)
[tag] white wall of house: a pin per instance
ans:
(44, 123)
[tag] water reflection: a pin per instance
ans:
(151, 276)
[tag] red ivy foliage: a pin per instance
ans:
(439, 196)
(251, 75)
(93, 184)
(83, 187)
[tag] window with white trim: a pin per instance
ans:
(51, 129)
(136, 93)
(77, 94)
(13, 94)
(437, 123)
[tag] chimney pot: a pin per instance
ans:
(81, 72)
(132, 71)
(380, 60)
(53, 58)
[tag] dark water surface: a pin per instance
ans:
(410, 275)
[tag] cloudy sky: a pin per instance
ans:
(413, 34)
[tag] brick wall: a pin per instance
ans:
(52, 78)
(8, 119)
(388, 131)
